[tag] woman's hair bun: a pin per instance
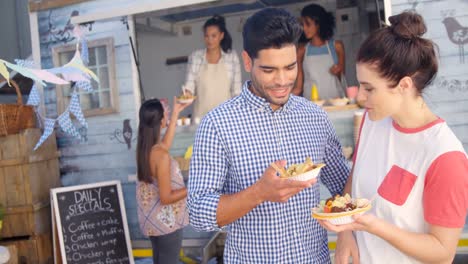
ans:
(408, 25)
(219, 19)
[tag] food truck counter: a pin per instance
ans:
(342, 118)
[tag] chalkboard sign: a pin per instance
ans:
(91, 224)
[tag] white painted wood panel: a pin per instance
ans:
(117, 160)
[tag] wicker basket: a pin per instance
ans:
(16, 117)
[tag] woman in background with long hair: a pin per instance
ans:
(321, 59)
(161, 193)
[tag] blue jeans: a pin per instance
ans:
(166, 247)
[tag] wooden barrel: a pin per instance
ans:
(26, 177)
(27, 220)
(34, 249)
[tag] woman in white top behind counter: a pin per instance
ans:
(213, 74)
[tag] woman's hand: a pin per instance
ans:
(336, 70)
(178, 107)
(169, 135)
(346, 247)
(363, 222)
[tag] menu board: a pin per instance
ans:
(91, 224)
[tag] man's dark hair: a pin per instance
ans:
(270, 28)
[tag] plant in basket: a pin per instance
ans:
(2, 214)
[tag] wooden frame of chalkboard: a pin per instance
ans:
(91, 224)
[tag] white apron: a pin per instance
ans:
(317, 70)
(213, 88)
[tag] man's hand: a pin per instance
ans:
(272, 188)
(345, 247)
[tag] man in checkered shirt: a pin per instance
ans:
(231, 183)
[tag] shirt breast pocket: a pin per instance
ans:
(397, 185)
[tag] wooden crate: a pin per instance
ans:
(29, 183)
(21, 146)
(33, 250)
(26, 176)
(28, 220)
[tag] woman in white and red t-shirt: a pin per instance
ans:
(406, 157)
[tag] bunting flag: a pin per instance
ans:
(4, 72)
(84, 52)
(48, 129)
(67, 125)
(73, 71)
(77, 63)
(23, 71)
(84, 46)
(48, 77)
(70, 74)
(75, 109)
(34, 96)
(26, 63)
(85, 86)
(77, 33)
(35, 74)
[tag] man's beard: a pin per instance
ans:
(260, 90)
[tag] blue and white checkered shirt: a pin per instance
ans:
(233, 146)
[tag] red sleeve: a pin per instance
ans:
(445, 197)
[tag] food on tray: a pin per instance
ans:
(339, 204)
(297, 169)
(185, 98)
(339, 101)
(319, 102)
(339, 210)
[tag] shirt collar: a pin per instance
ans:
(261, 103)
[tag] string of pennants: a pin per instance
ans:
(75, 71)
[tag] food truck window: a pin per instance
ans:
(103, 98)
